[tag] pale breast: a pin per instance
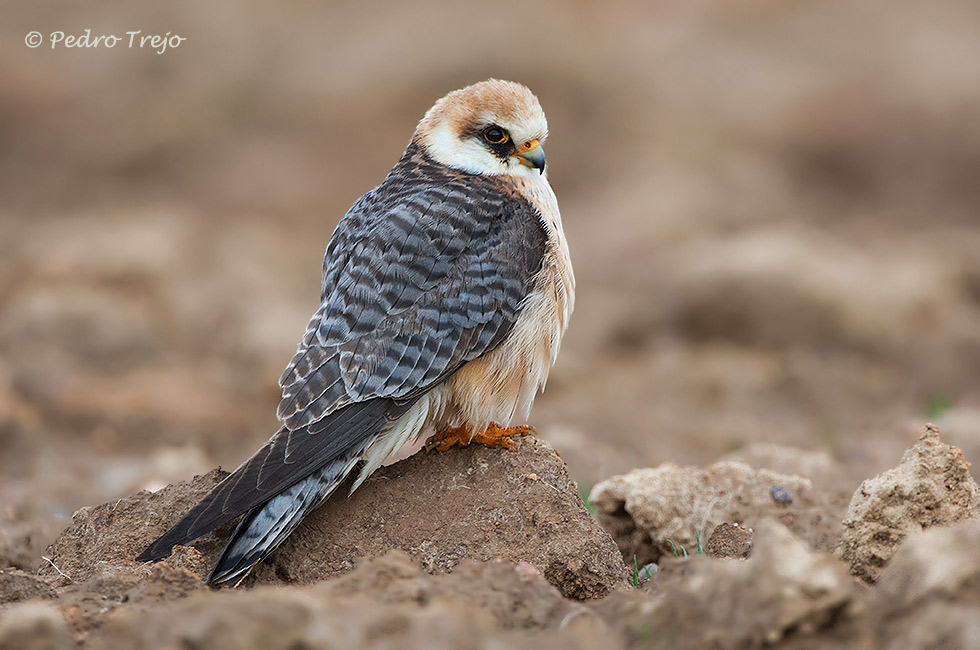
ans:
(502, 384)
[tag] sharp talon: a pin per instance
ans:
(447, 438)
(494, 436)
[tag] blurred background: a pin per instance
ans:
(772, 209)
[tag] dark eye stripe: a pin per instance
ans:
(498, 141)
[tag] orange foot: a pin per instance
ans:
(494, 436)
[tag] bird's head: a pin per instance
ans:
(492, 127)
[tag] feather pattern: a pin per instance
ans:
(425, 273)
(416, 293)
(263, 529)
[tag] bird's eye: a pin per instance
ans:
(495, 135)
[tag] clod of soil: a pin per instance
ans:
(784, 595)
(440, 508)
(387, 602)
(16, 585)
(928, 592)
(33, 626)
(729, 541)
(645, 508)
(933, 563)
(931, 487)
(23, 535)
(516, 595)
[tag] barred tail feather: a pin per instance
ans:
(264, 528)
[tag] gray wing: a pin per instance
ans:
(436, 283)
(424, 273)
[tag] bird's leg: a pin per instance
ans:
(498, 436)
(446, 438)
(494, 436)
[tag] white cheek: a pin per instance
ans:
(468, 156)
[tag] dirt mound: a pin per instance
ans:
(931, 487)
(929, 593)
(103, 541)
(440, 508)
(516, 595)
(650, 512)
(387, 602)
(484, 505)
(16, 584)
(783, 590)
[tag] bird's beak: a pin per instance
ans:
(531, 154)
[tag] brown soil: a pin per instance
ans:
(507, 555)
(931, 487)
(650, 512)
(441, 508)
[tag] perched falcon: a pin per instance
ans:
(446, 292)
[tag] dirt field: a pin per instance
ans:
(773, 215)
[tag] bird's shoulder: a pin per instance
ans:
(429, 211)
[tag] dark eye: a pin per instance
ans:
(495, 135)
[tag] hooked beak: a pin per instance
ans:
(531, 154)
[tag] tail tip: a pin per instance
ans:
(153, 553)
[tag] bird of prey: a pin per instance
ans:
(446, 293)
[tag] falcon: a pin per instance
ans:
(446, 291)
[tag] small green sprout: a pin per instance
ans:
(674, 548)
(637, 578)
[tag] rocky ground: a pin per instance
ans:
(481, 548)
(772, 211)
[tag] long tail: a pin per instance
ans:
(265, 527)
(304, 463)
